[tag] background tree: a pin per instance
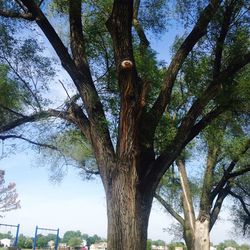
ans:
(241, 209)
(227, 243)
(7, 235)
(226, 165)
(149, 244)
(8, 195)
(42, 241)
(118, 105)
(71, 234)
(24, 242)
(173, 245)
(75, 242)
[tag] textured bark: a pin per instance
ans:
(197, 239)
(128, 213)
(188, 235)
(201, 235)
(189, 215)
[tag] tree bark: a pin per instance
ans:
(128, 210)
(201, 235)
(197, 239)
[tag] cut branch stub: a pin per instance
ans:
(126, 64)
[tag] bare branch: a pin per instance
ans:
(226, 176)
(77, 41)
(12, 14)
(238, 184)
(65, 89)
(169, 209)
(34, 118)
(26, 84)
(11, 111)
(5, 137)
(91, 172)
(239, 172)
(41, 2)
(241, 201)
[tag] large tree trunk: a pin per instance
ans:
(128, 211)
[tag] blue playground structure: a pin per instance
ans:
(17, 232)
(46, 229)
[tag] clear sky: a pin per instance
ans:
(73, 204)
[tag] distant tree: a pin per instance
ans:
(93, 239)
(85, 236)
(70, 235)
(8, 195)
(7, 235)
(244, 247)
(227, 164)
(172, 246)
(149, 244)
(227, 243)
(42, 241)
(75, 242)
(24, 242)
(158, 243)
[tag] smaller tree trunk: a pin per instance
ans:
(189, 237)
(201, 235)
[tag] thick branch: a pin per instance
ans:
(217, 206)
(169, 209)
(170, 154)
(187, 197)
(144, 43)
(221, 38)
(199, 126)
(119, 25)
(212, 157)
(213, 90)
(189, 128)
(81, 77)
(88, 92)
(77, 41)
(198, 31)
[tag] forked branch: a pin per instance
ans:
(198, 31)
